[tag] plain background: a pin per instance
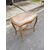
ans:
(3, 25)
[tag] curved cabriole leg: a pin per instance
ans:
(35, 24)
(21, 33)
(15, 29)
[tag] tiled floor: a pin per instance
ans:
(30, 6)
(32, 40)
(12, 11)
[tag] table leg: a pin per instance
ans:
(35, 24)
(21, 33)
(15, 29)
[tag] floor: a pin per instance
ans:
(31, 40)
